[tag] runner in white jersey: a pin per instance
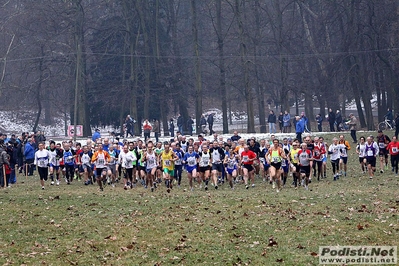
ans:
(41, 161)
(151, 160)
(127, 159)
(85, 159)
(55, 157)
(204, 165)
(360, 150)
(335, 154)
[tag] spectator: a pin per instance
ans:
(319, 120)
(272, 122)
(352, 127)
(331, 119)
(39, 137)
(156, 128)
(29, 154)
(286, 122)
(171, 128)
(147, 129)
(129, 122)
(389, 116)
(235, 137)
(299, 127)
(338, 120)
(210, 124)
(180, 122)
(190, 123)
(397, 125)
(4, 160)
(203, 124)
(281, 121)
(96, 135)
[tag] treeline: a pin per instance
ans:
(156, 58)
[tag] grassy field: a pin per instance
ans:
(78, 225)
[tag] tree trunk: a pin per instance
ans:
(222, 77)
(198, 76)
(244, 63)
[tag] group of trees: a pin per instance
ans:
(157, 58)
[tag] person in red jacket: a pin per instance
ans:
(393, 148)
(147, 128)
(247, 160)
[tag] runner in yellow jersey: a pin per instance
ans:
(168, 158)
(294, 163)
(274, 158)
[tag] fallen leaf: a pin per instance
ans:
(314, 254)
(300, 246)
(279, 260)
(360, 227)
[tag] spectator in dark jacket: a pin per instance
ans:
(180, 122)
(389, 116)
(331, 119)
(29, 154)
(272, 122)
(190, 123)
(210, 124)
(338, 120)
(172, 128)
(281, 121)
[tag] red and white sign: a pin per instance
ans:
(79, 131)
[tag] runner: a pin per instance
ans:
(274, 158)
(305, 157)
(335, 154)
(325, 157)
(393, 148)
(318, 153)
(284, 163)
(344, 154)
(383, 141)
(168, 158)
(127, 160)
(100, 159)
(204, 165)
(151, 165)
(178, 163)
(111, 166)
(360, 151)
(55, 157)
(294, 163)
(370, 152)
(190, 160)
(230, 163)
(217, 155)
(264, 148)
(85, 158)
(247, 159)
(41, 161)
(69, 163)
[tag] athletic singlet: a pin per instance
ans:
(361, 149)
(275, 156)
(151, 160)
(54, 158)
(205, 158)
(85, 159)
(294, 156)
(191, 159)
(167, 160)
(231, 163)
(369, 151)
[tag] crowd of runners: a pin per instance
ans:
(208, 163)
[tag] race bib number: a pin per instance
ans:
(370, 153)
(230, 165)
(101, 161)
(191, 161)
(69, 159)
(283, 163)
(205, 161)
(262, 160)
(381, 145)
(42, 163)
(394, 149)
(178, 162)
(245, 159)
(275, 159)
(151, 161)
(167, 162)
